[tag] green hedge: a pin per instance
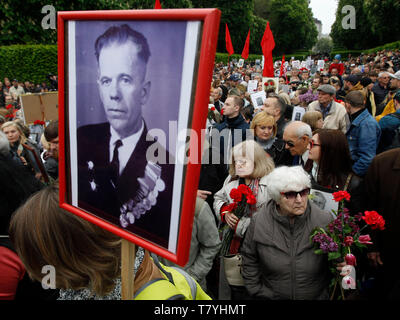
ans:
(28, 62)
(35, 62)
(388, 46)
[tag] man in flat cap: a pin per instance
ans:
(333, 113)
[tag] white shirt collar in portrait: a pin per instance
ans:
(127, 148)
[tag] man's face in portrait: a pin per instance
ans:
(122, 86)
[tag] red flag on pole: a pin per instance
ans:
(245, 52)
(267, 45)
(283, 71)
(157, 5)
(228, 41)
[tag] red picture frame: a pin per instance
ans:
(209, 20)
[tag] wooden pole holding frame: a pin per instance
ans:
(128, 255)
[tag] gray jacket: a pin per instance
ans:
(205, 243)
(278, 258)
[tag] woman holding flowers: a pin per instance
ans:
(278, 257)
(246, 181)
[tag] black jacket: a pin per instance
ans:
(97, 194)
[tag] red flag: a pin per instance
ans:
(267, 45)
(157, 5)
(228, 41)
(283, 69)
(245, 52)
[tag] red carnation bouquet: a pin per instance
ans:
(243, 198)
(39, 122)
(10, 112)
(343, 235)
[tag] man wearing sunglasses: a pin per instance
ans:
(297, 136)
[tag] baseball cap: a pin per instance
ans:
(353, 79)
(234, 77)
(396, 75)
(327, 88)
(365, 81)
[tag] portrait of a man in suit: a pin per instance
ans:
(118, 179)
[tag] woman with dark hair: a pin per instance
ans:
(331, 166)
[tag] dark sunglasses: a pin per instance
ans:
(291, 195)
(290, 143)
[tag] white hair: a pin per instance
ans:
(383, 73)
(284, 179)
(300, 128)
(4, 144)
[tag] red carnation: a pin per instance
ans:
(341, 195)
(235, 195)
(251, 200)
(365, 239)
(212, 108)
(230, 207)
(9, 106)
(350, 259)
(244, 189)
(348, 241)
(374, 219)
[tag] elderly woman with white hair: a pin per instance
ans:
(279, 262)
(249, 166)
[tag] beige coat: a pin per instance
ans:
(337, 117)
(222, 196)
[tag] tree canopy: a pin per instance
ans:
(291, 22)
(376, 23)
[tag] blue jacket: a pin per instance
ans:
(389, 122)
(363, 136)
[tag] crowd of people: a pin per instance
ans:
(347, 138)
(349, 123)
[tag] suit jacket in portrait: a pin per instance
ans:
(98, 195)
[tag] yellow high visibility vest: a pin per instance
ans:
(176, 285)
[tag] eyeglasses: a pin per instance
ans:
(313, 144)
(291, 195)
(241, 162)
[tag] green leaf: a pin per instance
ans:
(319, 251)
(333, 255)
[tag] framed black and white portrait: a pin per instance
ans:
(132, 82)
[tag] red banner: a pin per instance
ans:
(228, 41)
(267, 45)
(245, 52)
